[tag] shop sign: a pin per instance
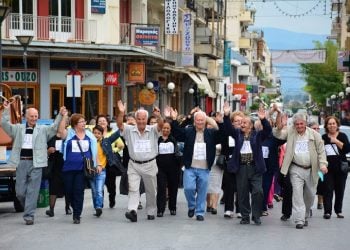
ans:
(171, 12)
(146, 36)
(136, 72)
(239, 89)
(19, 76)
(187, 58)
(147, 97)
(98, 6)
(111, 79)
(227, 58)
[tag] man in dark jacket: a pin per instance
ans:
(198, 157)
(247, 162)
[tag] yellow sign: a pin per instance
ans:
(147, 97)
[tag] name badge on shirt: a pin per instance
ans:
(166, 148)
(84, 144)
(58, 145)
(330, 150)
(302, 147)
(199, 151)
(265, 152)
(231, 142)
(246, 148)
(27, 141)
(142, 146)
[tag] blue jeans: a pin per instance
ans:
(196, 183)
(97, 184)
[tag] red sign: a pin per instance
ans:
(243, 99)
(111, 78)
(239, 89)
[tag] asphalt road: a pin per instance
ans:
(114, 231)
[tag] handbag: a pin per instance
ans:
(344, 165)
(47, 171)
(221, 161)
(88, 165)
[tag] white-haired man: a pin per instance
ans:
(142, 142)
(304, 157)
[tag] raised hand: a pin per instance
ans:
(167, 111)
(121, 106)
(261, 113)
(173, 113)
(226, 108)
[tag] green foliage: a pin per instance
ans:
(323, 80)
(255, 106)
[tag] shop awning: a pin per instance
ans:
(238, 59)
(207, 86)
(196, 79)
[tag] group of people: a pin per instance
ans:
(229, 151)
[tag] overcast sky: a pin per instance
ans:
(311, 15)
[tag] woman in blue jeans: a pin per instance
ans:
(105, 156)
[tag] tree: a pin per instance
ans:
(323, 79)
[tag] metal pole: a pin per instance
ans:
(73, 99)
(25, 78)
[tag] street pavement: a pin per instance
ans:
(113, 231)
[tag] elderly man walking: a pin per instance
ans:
(29, 156)
(304, 157)
(198, 157)
(142, 142)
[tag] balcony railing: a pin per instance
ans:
(53, 28)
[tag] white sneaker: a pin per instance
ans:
(228, 214)
(238, 215)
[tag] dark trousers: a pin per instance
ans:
(334, 181)
(287, 194)
(229, 188)
(167, 178)
(111, 175)
(266, 184)
(74, 185)
(249, 180)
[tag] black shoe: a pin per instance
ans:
(68, 211)
(319, 206)
(139, 207)
(222, 201)
(200, 217)
(190, 213)
(209, 209)
(50, 212)
(244, 221)
(150, 217)
(131, 215)
(340, 216)
(76, 221)
(306, 223)
(111, 203)
(214, 211)
(310, 213)
(326, 216)
(299, 226)
(285, 217)
(172, 212)
(160, 214)
(257, 221)
(98, 212)
(29, 222)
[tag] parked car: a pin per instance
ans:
(345, 130)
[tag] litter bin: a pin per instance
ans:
(43, 198)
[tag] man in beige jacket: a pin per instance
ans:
(304, 158)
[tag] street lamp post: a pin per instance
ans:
(25, 41)
(332, 104)
(171, 87)
(194, 91)
(4, 11)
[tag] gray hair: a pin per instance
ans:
(139, 111)
(200, 113)
(299, 116)
(313, 123)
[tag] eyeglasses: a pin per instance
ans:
(82, 121)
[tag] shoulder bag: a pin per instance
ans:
(344, 165)
(89, 169)
(221, 161)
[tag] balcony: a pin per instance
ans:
(245, 43)
(200, 14)
(336, 5)
(128, 33)
(57, 29)
(246, 17)
(207, 43)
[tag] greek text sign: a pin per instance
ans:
(171, 16)
(19, 76)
